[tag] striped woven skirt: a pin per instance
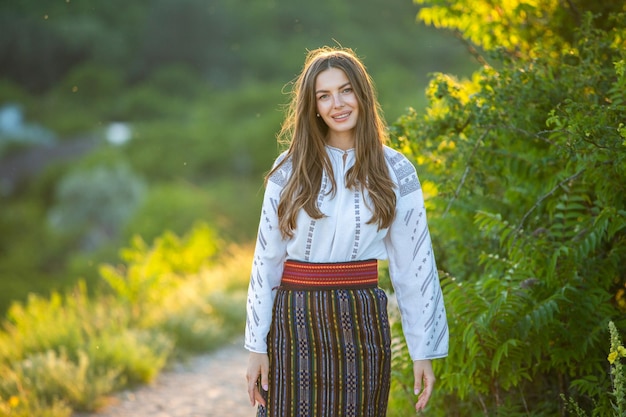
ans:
(329, 343)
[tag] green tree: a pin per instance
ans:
(526, 166)
(96, 203)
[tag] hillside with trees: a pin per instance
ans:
(131, 118)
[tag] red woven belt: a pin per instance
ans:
(350, 275)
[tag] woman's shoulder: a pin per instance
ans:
(398, 162)
(393, 156)
(281, 170)
(402, 170)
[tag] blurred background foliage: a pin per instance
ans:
(148, 125)
(151, 115)
(165, 300)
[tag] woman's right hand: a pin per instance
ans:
(258, 365)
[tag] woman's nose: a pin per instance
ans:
(338, 100)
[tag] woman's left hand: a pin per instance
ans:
(424, 381)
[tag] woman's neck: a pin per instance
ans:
(343, 142)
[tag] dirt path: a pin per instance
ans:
(208, 386)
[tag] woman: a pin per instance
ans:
(335, 202)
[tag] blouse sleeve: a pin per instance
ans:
(413, 270)
(267, 265)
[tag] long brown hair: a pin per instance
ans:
(306, 135)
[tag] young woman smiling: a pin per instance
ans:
(335, 202)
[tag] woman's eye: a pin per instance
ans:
(323, 97)
(347, 90)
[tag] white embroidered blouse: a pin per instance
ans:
(344, 235)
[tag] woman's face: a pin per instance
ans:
(336, 102)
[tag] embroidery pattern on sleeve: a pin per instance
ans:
(405, 172)
(281, 176)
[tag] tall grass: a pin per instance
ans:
(164, 300)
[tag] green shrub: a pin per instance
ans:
(43, 324)
(528, 212)
(96, 203)
(133, 355)
(25, 405)
(174, 205)
(199, 309)
(165, 301)
(44, 365)
(205, 324)
(617, 394)
(52, 377)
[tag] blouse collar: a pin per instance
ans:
(342, 151)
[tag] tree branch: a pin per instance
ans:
(548, 194)
(466, 172)
(471, 49)
(537, 135)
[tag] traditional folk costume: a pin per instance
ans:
(313, 301)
